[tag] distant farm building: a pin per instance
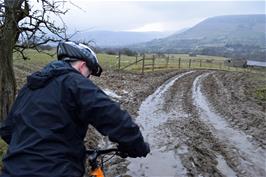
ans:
(235, 62)
(257, 64)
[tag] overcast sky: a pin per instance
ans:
(88, 15)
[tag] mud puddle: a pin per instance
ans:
(111, 93)
(224, 168)
(160, 162)
(252, 157)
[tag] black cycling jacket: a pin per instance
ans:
(47, 124)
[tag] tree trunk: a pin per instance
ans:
(7, 78)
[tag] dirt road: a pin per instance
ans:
(198, 123)
(201, 123)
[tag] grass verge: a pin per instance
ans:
(3, 148)
(261, 94)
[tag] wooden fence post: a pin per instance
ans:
(119, 61)
(153, 62)
(136, 58)
(143, 62)
(167, 61)
(189, 64)
(179, 62)
(200, 63)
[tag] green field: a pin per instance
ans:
(176, 61)
(111, 62)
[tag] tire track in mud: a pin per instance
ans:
(186, 142)
(200, 159)
(231, 95)
(251, 158)
(161, 161)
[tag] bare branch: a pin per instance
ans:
(77, 6)
(35, 26)
(21, 52)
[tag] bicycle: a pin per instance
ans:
(96, 166)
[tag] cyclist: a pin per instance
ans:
(49, 119)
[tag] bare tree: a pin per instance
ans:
(24, 24)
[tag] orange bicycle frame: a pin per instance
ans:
(97, 173)
(96, 168)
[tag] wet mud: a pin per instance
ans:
(198, 123)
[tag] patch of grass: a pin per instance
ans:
(107, 61)
(261, 94)
(258, 85)
(35, 57)
(3, 148)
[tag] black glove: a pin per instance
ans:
(135, 150)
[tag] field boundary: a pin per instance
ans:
(151, 63)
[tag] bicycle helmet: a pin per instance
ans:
(72, 51)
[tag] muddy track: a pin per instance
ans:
(243, 112)
(201, 144)
(183, 138)
(198, 123)
(132, 89)
(199, 137)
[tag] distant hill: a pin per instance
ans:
(241, 29)
(119, 38)
(226, 35)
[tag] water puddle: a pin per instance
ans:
(151, 112)
(111, 93)
(253, 158)
(224, 168)
(159, 162)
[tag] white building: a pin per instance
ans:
(256, 63)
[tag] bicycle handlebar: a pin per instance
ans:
(99, 152)
(95, 153)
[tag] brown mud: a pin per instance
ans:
(198, 123)
(213, 126)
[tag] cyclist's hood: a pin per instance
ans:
(40, 78)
